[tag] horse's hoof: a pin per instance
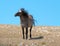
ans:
(30, 37)
(23, 38)
(26, 38)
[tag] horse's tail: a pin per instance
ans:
(33, 22)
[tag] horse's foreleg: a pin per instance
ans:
(26, 32)
(30, 31)
(23, 32)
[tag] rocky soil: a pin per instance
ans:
(11, 35)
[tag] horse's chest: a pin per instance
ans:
(24, 19)
(26, 22)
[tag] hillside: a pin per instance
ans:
(11, 35)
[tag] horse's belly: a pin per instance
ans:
(27, 24)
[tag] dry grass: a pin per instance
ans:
(10, 35)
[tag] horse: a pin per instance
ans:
(27, 21)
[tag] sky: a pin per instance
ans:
(45, 12)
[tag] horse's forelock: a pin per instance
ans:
(19, 10)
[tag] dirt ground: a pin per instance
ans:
(11, 35)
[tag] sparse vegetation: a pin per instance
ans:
(11, 35)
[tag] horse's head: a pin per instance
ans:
(20, 12)
(17, 14)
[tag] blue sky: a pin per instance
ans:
(45, 12)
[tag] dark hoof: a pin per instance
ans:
(26, 38)
(23, 37)
(30, 37)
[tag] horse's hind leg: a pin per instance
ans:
(26, 32)
(23, 32)
(30, 31)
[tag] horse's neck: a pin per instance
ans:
(25, 14)
(23, 18)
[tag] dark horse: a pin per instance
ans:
(26, 21)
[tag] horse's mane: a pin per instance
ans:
(25, 13)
